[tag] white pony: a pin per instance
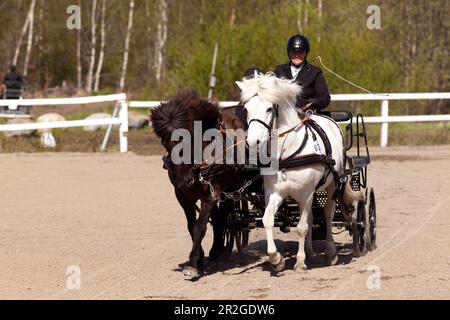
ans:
(261, 94)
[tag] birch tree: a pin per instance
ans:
(30, 37)
(22, 34)
(127, 47)
(79, 67)
(90, 73)
(305, 21)
(299, 16)
(161, 38)
(319, 14)
(39, 42)
(102, 46)
(148, 37)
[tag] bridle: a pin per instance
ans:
(302, 115)
(274, 110)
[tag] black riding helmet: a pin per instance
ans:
(297, 43)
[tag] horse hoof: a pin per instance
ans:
(278, 267)
(331, 260)
(300, 267)
(211, 266)
(190, 272)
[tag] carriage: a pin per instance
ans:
(322, 185)
(248, 201)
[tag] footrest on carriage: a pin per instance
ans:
(360, 162)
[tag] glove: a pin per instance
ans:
(311, 105)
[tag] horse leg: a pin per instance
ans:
(199, 230)
(218, 219)
(330, 247)
(275, 258)
(308, 242)
(303, 228)
(191, 217)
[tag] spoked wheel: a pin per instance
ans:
(229, 241)
(238, 236)
(372, 221)
(358, 230)
(241, 237)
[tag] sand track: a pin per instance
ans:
(117, 218)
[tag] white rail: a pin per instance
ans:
(384, 119)
(122, 120)
(123, 105)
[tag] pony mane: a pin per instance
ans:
(270, 89)
(181, 111)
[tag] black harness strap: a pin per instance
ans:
(328, 151)
(307, 159)
(297, 161)
(302, 146)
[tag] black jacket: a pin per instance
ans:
(311, 79)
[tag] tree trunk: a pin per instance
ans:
(102, 46)
(305, 21)
(127, 47)
(30, 38)
(299, 15)
(40, 49)
(319, 8)
(79, 67)
(202, 13)
(22, 34)
(90, 73)
(79, 84)
(161, 39)
(149, 38)
(232, 15)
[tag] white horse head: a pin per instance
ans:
(260, 95)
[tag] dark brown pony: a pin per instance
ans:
(180, 112)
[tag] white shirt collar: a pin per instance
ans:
(295, 71)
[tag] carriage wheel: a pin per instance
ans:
(229, 241)
(372, 221)
(358, 230)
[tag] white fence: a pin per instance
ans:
(122, 120)
(384, 119)
(123, 105)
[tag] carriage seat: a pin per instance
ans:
(340, 116)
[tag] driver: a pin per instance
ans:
(315, 93)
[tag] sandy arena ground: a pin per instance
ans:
(117, 218)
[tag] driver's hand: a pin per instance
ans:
(309, 106)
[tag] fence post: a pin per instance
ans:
(123, 130)
(384, 125)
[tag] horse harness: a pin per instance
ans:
(296, 160)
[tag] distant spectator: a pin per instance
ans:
(13, 83)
